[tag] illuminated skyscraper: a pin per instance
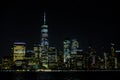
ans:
(66, 44)
(52, 57)
(37, 50)
(44, 43)
(74, 46)
(105, 59)
(19, 51)
(44, 32)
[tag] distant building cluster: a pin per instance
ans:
(43, 56)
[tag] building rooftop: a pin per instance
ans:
(19, 43)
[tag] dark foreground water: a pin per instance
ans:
(59, 75)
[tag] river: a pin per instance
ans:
(58, 75)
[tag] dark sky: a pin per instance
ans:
(90, 21)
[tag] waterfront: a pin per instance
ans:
(58, 75)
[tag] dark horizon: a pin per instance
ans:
(90, 22)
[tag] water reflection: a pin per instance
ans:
(57, 75)
(38, 76)
(33, 76)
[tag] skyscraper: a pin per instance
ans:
(19, 51)
(44, 35)
(44, 43)
(37, 50)
(66, 46)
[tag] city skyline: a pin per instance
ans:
(84, 23)
(88, 24)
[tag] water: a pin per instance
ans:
(58, 75)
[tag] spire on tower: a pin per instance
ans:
(44, 18)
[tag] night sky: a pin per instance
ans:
(89, 21)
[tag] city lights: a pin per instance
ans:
(43, 57)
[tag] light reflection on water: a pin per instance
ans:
(37, 76)
(58, 75)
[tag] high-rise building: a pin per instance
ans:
(67, 51)
(37, 50)
(6, 62)
(105, 59)
(75, 45)
(19, 50)
(71, 56)
(118, 58)
(112, 50)
(44, 43)
(114, 57)
(44, 35)
(52, 57)
(76, 60)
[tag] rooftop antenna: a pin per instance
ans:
(44, 18)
